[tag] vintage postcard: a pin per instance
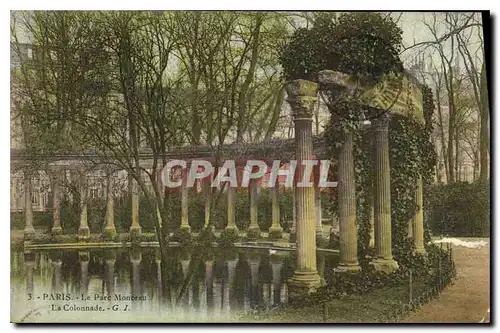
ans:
(250, 166)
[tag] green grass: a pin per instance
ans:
(378, 306)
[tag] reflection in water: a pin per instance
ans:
(133, 285)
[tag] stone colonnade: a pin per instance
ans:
(109, 229)
(301, 97)
(307, 220)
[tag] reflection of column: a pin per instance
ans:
(302, 98)
(275, 230)
(135, 227)
(185, 267)
(231, 213)
(347, 208)
(317, 206)
(418, 219)
(135, 260)
(208, 198)
(185, 297)
(56, 204)
(254, 263)
(84, 272)
(185, 203)
(56, 276)
(29, 264)
(29, 231)
(196, 294)
(110, 274)
(253, 228)
(383, 260)
(209, 285)
(276, 268)
(83, 229)
(231, 270)
(109, 230)
(293, 229)
(159, 283)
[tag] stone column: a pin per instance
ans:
(135, 228)
(253, 228)
(56, 204)
(347, 208)
(275, 230)
(418, 219)
(302, 98)
(383, 260)
(231, 213)
(319, 213)
(109, 229)
(185, 204)
(208, 200)
(372, 224)
(83, 229)
(29, 231)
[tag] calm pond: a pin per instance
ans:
(109, 285)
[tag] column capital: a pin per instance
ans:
(302, 98)
(381, 123)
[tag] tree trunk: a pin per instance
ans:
(484, 135)
(451, 132)
(242, 107)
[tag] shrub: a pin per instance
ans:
(460, 209)
(228, 238)
(183, 236)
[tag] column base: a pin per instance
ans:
(185, 228)
(29, 233)
(253, 233)
(384, 265)
(231, 232)
(344, 268)
(304, 283)
(109, 233)
(275, 233)
(83, 234)
(56, 230)
(135, 232)
(420, 250)
(231, 228)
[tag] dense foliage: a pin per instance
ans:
(365, 44)
(460, 209)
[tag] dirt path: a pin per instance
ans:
(468, 299)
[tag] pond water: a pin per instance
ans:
(126, 285)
